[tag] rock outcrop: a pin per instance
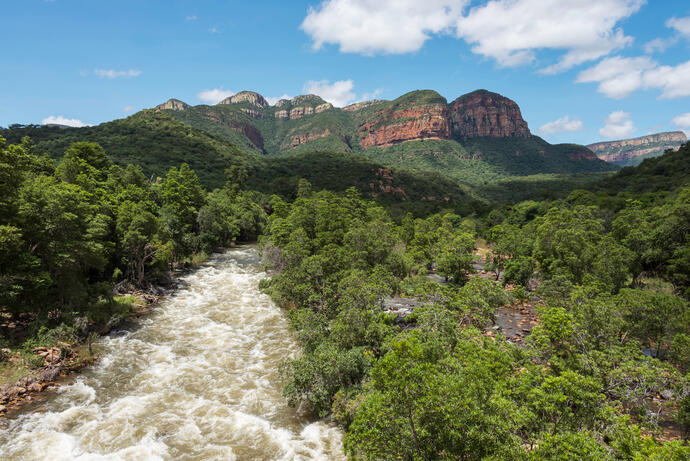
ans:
(396, 125)
(625, 150)
(246, 96)
(306, 137)
(172, 104)
(483, 113)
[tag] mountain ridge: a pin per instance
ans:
(478, 125)
(632, 151)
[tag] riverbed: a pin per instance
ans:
(197, 379)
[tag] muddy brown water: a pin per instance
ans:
(196, 380)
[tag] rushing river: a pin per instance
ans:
(196, 380)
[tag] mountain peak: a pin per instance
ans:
(307, 99)
(485, 113)
(250, 97)
(173, 104)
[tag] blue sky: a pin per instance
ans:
(614, 68)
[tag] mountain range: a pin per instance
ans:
(478, 136)
(418, 147)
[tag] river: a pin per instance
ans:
(197, 379)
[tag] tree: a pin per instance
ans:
(136, 229)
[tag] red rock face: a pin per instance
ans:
(394, 126)
(615, 151)
(483, 113)
(305, 138)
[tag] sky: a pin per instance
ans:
(580, 70)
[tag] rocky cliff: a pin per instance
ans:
(414, 116)
(173, 104)
(483, 113)
(633, 151)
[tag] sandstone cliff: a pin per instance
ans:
(483, 113)
(417, 115)
(627, 151)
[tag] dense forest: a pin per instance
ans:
(602, 376)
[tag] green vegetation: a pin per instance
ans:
(402, 189)
(152, 140)
(613, 332)
(71, 232)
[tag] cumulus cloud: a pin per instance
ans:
(681, 25)
(379, 26)
(509, 31)
(618, 77)
(617, 125)
(561, 124)
(214, 96)
(683, 121)
(338, 93)
(60, 120)
(659, 45)
(112, 73)
(128, 108)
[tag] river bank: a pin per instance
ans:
(196, 378)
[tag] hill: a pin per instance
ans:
(631, 152)
(152, 139)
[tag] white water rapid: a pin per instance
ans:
(195, 380)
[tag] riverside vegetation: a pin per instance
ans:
(601, 377)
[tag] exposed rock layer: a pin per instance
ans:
(406, 124)
(625, 149)
(483, 113)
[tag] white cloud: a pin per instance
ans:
(111, 73)
(191, 18)
(617, 125)
(681, 25)
(673, 81)
(682, 120)
(338, 93)
(562, 124)
(60, 120)
(618, 77)
(214, 30)
(273, 100)
(379, 26)
(509, 31)
(659, 45)
(128, 108)
(214, 96)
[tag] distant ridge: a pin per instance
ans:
(631, 152)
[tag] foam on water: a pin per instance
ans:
(197, 380)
